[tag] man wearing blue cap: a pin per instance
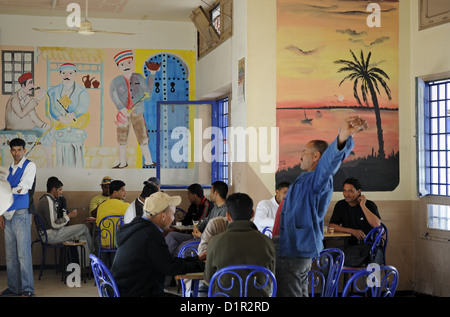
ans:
(67, 104)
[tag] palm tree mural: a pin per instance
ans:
(367, 80)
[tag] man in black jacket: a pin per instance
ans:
(143, 260)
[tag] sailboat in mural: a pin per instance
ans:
(306, 120)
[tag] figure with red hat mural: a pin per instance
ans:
(67, 107)
(20, 111)
(128, 91)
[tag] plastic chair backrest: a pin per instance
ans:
(104, 280)
(189, 249)
(242, 278)
(41, 229)
(377, 237)
(325, 273)
(373, 281)
(179, 214)
(267, 231)
(107, 232)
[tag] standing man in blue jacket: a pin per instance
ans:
(298, 228)
(16, 222)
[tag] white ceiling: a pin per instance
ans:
(167, 10)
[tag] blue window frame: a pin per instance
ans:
(433, 124)
(220, 167)
(220, 118)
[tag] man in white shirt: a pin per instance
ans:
(267, 209)
(16, 222)
(136, 207)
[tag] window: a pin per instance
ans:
(14, 64)
(214, 25)
(220, 114)
(192, 143)
(215, 18)
(435, 138)
(433, 155)
(438, 217)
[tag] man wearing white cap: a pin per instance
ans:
(67, 104)
(128, 92)
(142, 259)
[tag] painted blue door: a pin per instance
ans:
(171, 84)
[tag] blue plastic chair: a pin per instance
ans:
(377, 238)
(325, 274)
(104, 280)
(373, 281)
(189, 250)
(244, 278)
(267, 231)
(179, 214)
(107, 230)
(43, 239)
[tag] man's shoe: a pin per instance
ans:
(120, 167)
(8, 292)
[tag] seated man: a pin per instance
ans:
(56, 228)
(176, 240)
(143, 259)
(354, 214)
(242, 243)
(136, 207)
(98, 199)
(200, 205)
(155, 181)
(267, 209)
(114, 206)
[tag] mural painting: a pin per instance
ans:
(89, 108)
(337, 58)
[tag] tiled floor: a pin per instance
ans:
(51, 285)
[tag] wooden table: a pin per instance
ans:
(336, 236)
(195, 280)
(183, 228)
(82, 261)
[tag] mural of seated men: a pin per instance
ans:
(67, 107)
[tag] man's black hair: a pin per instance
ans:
(221, 188)
(115, 185)
(240, 206)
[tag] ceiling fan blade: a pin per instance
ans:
(55, 30)
(110, 32)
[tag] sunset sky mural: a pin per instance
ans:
(311, 100)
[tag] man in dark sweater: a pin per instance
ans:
(355, 214)
(143, 260)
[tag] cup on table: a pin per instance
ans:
(179, 223)
(330, 230)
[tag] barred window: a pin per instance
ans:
(14, 64)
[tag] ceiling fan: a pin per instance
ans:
(84, 29)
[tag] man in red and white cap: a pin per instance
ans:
(127, 92)
(20, 111)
